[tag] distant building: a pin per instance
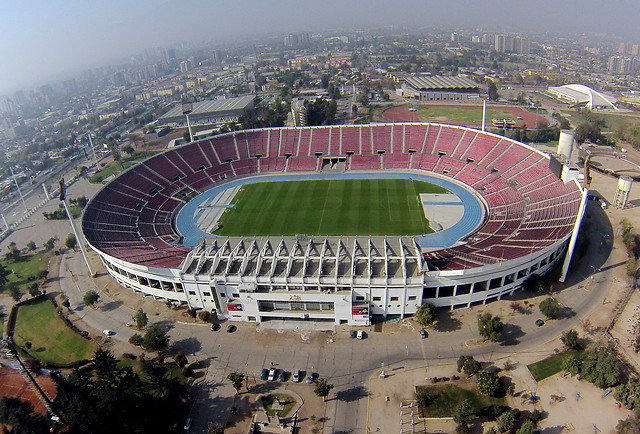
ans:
(512, 44)
(622, 64)
(298, 112)
(439, 88)
(580, 95)
(208, 112)
(455, 37)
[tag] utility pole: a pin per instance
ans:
(18, 187)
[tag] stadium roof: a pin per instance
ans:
(238, 104)
(438, 82)
(582, 95)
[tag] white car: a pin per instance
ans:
(360, 334)
(296, 375)
(108, 332)
(272, 375)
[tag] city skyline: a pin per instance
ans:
(44, 42)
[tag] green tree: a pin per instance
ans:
(31, 246)
(628, 394)
(180, 359)
(464, 413)
(71, 241)
(21, 417)
(492, 90)
(490, 327)
(50, 243)
(527, 428)
(4, 275)
(90, 297)
(425, 314)
(630, 424)
(469, 365)
(13, 253)
(600, 367)
(354, 111)
(237, 379)
(155, 339)
(141, 319)
(549, 307)
(506, 421)
(571, 364)
(571, 340)
(128, 149)
(488, 383)
(322, 388)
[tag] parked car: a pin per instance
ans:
(360, 334)
(296, 376)
(424, 334)
(272, 375)
(309, 377)
(539, 322)
(283, 376)
(108, 332)
(215, 327)
(187, 424)
(352, 334)
(231, 328)
(264, 374)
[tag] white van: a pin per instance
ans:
(360, 334)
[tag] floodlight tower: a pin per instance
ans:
(65, 202)
(18, 187)
(95, 159)
(187, 107)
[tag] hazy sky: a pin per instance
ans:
(41, 40)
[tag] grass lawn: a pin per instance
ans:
(444, 398)
(464, 115)
(613, 122)
(25, 271)
(52, 341)
(267, 402)
(550, 366)
(116, 167)
(329, 207)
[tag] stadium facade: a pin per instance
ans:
(208, 112)
(532, 205)
(440, 88)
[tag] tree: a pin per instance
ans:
(21, 416)
(136, 339)
(90, 297)
(141, 319)
(549, 307)
(488, 383)
(13, 253)
(571, 340)
(463, 413)
(155, 339)
(128, 149)
(237, 379)
(322, 388)
(469, 365)
(180, 359)
(506, 421)
(50, 243)
(490, 327)
(571, 364)
(354, 111)
(492, 90)
(34, 365)
(4, 274)
(71, 241)
(527, 428)
(425, 314)
(630, 424)
(628, 394)
(31, 246)
(600, 367)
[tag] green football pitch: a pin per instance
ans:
(329, 207)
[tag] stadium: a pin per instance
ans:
(336, 223)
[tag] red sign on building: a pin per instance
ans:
(359, 310)
(234, 307)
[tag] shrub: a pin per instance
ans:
(136, 339)
(204, 315)
(488, 383)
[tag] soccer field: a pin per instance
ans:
(329, 207)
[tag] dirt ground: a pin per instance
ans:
(12, 384)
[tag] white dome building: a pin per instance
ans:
(579, 94)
